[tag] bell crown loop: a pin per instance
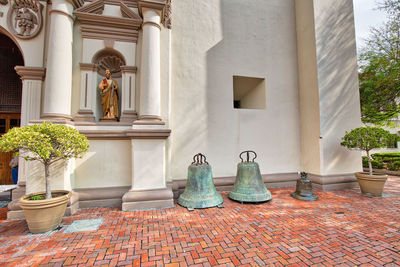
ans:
(248, 155)
(199, 159)
(303, 175)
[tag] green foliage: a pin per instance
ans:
(37, 197)
(367, 138)
(394, 166)
(376, 164)
(386, 155)
(45, 142)
(380, 69)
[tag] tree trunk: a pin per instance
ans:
(369, 163)
(47, 176)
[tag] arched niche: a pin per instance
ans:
(109, 59)
(112, 60)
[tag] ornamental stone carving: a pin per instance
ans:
(25, 18)
(167, 19)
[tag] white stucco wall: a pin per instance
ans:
(211, 42)
(108, 163)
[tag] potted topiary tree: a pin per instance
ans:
(47, 143)
(366, 139)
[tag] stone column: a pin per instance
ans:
(57, 92)
(328, 90)
(32, 79)
(150, 84)
(88, 93)
(128, 107)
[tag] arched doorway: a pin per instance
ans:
(10, 97)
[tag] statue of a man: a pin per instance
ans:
(109, 93)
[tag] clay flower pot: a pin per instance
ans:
(371, 185)
(44, 215)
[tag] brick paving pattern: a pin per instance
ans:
(343, 228)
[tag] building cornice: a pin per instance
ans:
(94, 25)
(151, 4)
(129, 3)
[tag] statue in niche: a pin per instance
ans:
(109, 93)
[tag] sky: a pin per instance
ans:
(366, 16)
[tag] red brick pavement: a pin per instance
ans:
(343, 228)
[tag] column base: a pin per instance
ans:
(128, 116)
(15, 211)
(150, 117)
(160, 198)
(108, 119)
(333, 181)
(73, 204)
(148, 122)
(56, 116)
(85, 116)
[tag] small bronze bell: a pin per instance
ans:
(304, 189)
(200, 191)
(249, 185)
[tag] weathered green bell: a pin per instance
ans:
(249, 185)
(200, 191)
(304, 189)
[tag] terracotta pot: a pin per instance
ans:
(44, 215)
(371, 185)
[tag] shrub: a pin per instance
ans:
(366, 139)
(46, 143)
(394, 166)
(376, 164)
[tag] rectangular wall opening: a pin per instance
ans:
(249, 93)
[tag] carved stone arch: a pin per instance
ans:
(110, 59)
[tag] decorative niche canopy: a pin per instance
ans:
(111, 60)
(95, 25)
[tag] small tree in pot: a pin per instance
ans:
(366, 139)
(47, 143)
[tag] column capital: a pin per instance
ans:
(74, 3)
(128, 69)
(30, 73)
(157, 5)
(88, 66)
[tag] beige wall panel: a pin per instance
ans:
(338, 83)
(108, 163)
(308, 87)
(211, 42)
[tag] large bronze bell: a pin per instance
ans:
(200, 191)
(304, 189)
(249, 185)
